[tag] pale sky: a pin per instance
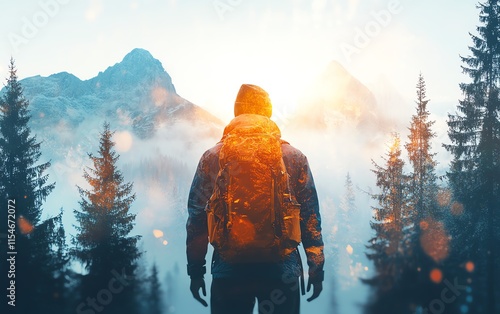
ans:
(210, 47)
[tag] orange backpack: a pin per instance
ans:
(252, 214)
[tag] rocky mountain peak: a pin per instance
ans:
(137, 68)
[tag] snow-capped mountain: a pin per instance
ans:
(137, 97)
(135, 94)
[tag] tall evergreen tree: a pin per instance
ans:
(24, 181)
(21, 178)
(387, 249)
(474, 174)
(423, 256)
(103, 243)
(423, 178)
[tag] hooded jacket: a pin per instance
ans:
(302, 183)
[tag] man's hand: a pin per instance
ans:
(195, 286)
(317, 288)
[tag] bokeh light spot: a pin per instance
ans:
(457, 209)
(24, 225)
(469, 266)
(444, 198)
(435, 241)
(349, 249)
(436, 276)
(123, 141)
(424, 225)
(157, 233)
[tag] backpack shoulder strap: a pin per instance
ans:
(282, 141)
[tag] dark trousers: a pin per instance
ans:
(237, 296)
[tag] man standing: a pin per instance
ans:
(243, 265)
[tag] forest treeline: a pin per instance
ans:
(435, 248)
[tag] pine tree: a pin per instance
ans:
(387, 249)
(103, 243)
(24, 181)
(475, 171)
(348, 206)
(423, 178)
(349, 246)
(21, 178)
(142, 279)
(51, 253)
(155, 292)
(423, 256)
(330, 223)
(171, 284)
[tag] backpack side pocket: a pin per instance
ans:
(291, 220)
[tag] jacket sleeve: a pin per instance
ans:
(310, 223)
(196, 227)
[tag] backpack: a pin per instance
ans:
(252, 213)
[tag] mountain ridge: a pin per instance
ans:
(138, 87)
